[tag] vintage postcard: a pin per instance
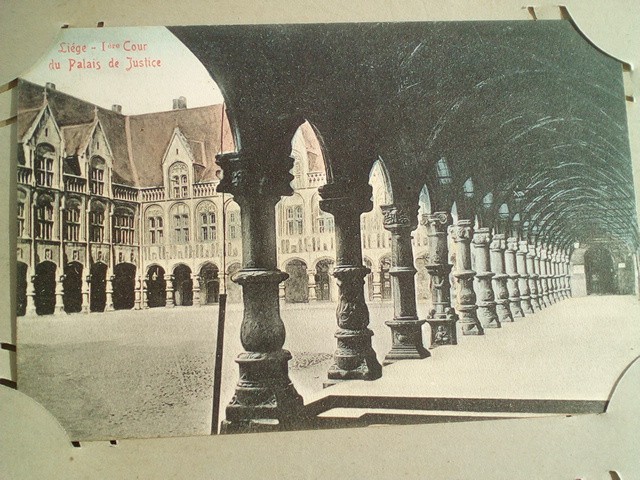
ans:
(227, 229)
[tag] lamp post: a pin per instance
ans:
(222, 306)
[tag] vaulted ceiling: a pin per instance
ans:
(530, 111)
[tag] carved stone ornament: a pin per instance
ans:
(243, 176)
(439, 221)
(482, 236)
(398, 216)
(463, 230)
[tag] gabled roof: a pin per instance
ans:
(138, 142)
(77, 137)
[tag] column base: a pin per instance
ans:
(504, 312)
(516, 308)
(265, 398)
(527, 307)
(443, 330)
(535, 304)
(488, 316)
(354, 359)
(469, 322)
(407, 340)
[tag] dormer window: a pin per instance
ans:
(45, 155)
(443, 173)
(97, 176)
(179, 180)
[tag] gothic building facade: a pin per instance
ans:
(121, 211)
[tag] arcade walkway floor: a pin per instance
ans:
(149, 373)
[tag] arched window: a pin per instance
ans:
(443, 173)
(44, 218)
(180, 223)
(322, 221)
(45, 154)
(96, 223)
(179, 180)
(234, 225)
(468, 189)
(123, 226)
(71, 225)
(20, 211)
(96, 184)
(155, 225)
(207, 222)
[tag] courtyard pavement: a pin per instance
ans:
(149, 373)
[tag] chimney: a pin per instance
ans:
(179, 103)
(116, 108)
(50, 86)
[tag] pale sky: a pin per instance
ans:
(139, 90)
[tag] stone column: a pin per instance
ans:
(567, 274)
(168, 279)
(31, 296)
(533, 278)
(442, 316)
(138, 294)
(354, 357)
(559, 276)
(109, 290)
(86, 289)
(539, 280)
(282, 292)
(265, 398)
(497, 248)
(311, 275)
(544, 276)
(59, 305)
(553, 259)
(512, 277)
(195, 278)
(145, 293)
(466, 304)
(406, 328)
(486, 299)
(523, 279)
(550, 275)
(376, 286)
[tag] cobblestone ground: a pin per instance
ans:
(149, 373)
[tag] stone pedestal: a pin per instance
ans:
(354, 358)
(406, 328)
(533, 278)
(195, 279)
(512, 278)
(442, 316)
(137, 304)
(497, 249)
(467, 308)
(86, 289)
(311, 275)
(265, 398)
(544, 280)
(31, 296)
(168, 279)
(59, 305)
(483, 288)
(523, 277)
(109, 291)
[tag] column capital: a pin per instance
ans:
(512, 244)
(337, 198)
(498, 242)
(523, 247)
(439, 221)
(247, 174)
(399, 216)
(463, 231)
(531, 251)
(482, 237)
